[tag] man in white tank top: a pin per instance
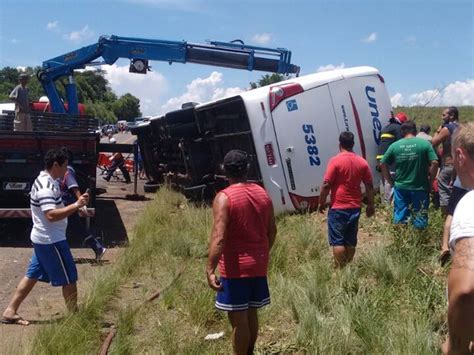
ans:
(461, 242)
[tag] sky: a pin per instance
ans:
(424, 49)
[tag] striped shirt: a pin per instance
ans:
(45, 195)
(246, 249)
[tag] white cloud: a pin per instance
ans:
(427, 97)
(219, 93)
(397, 100)
(202, 90)
(458, 93)
(149, 88)
(20, 68)
(262, 38)
(371, 38)
(53, 26)
(79, 36)
(411, 40)
(330, 67)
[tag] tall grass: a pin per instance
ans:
(389, 300)
(432, 115)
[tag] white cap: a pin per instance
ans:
(112, 140)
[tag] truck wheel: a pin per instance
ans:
(150, 187)
(40, 74)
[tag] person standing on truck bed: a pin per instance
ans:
(70, 194)
(22, 105)
(416, 168)
(389, 134)
(243, 234)
(52, 260)
(343, 177)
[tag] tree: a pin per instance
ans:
(93, 90)
(9, 79)
(127, 107)
(268, 79)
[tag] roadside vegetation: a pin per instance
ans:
(432, 115)
(390, 300)
(93, 90)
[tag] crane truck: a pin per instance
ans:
(21, 152)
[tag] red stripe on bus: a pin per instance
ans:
(359, 127)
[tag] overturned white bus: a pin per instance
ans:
(289, 129)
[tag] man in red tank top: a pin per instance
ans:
(242, 235)
(344, 174)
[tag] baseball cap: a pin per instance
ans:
(401, 117)
(235, 159)
(23, 76)
(112, 140)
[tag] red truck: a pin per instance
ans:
(21, 155)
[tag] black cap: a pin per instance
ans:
(235, 159)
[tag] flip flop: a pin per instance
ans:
(16, 320)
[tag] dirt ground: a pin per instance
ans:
(115, 218)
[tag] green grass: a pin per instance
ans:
(432, 115)
(391, 299)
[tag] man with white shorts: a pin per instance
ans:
(52, 260)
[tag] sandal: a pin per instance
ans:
(16, 320)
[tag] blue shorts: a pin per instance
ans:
(52, 263)
(411, 204)
(342, 226)
(242, 294)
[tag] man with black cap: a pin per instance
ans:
(22, 105)
(242, 235)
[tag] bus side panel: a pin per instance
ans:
(307, 137)
(266, 150)
(362, 106)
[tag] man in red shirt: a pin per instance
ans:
(243, 233)
(343, 177)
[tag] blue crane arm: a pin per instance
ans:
(111, 48)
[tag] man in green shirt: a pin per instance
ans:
(416, 168)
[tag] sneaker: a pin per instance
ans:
(100, 253)
(106, 179)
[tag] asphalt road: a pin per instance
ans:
(116, 215)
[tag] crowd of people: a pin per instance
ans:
(412, 164)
